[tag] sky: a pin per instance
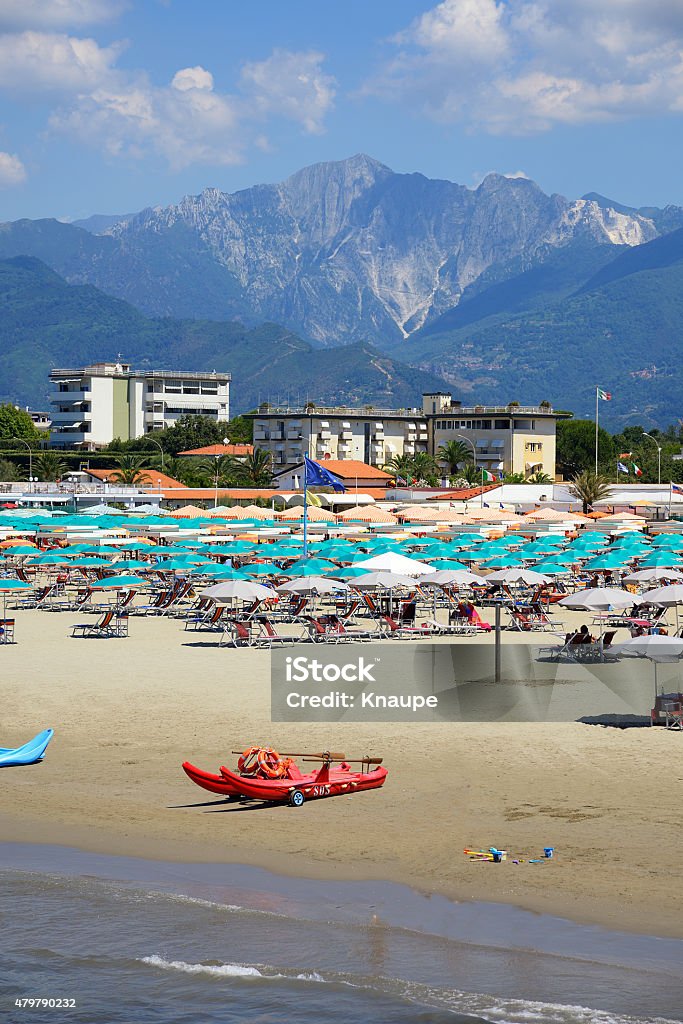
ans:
(109, 106)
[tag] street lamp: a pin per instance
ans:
(30, 456)
(659, 455)
(154, 441)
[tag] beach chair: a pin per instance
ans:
(394, 629)
(342, 633)
(6, 631)
(106, 626)
(209, 621)
(270, 637)
(236, 634)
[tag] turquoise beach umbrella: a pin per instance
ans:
(501, 562)
(122, 582)
(219, 572)
(9, 583)
(446, 563)
(261, 569)
(607, 561)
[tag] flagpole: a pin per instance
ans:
(597, 392)
(668, 515)
(305, 509)
(481, 492)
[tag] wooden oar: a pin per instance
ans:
(323, 756)
(353, 760)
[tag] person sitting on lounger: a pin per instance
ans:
(585, 636)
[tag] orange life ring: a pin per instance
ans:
(270, 763)
(248, 761)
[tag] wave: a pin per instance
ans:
(227, 970)
(492, 1009)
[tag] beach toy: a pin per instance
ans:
(548, 851)
(539, 860)
(498, 855)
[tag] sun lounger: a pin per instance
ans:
(106, 626)
(6, 631)
(236, 634)
(209, 621)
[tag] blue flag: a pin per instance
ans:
(318, 476)
(621, 468)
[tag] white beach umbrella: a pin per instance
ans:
(393, 562)
(527, 577)
(452, 578)
(665, 596)
(599, 599)
(313, 585)
(244, 590)
(654, 646)
(653, 575)
(382, 580)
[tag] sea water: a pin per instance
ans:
(139, 942)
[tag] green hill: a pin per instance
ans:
(47, 323)
(622, 331)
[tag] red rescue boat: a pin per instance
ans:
(263, 774)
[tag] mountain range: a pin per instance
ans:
(501, 290)
(47, 322)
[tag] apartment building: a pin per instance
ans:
(95, 404)
(372, 436)
(502, 438)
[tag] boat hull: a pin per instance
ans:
(314, 786)
(209, 781)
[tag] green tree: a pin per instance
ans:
(130, 471)
(539, 478)
(10, 471)
(425, 468)
(50, 466)
(401, 468)
(514, 478)
(240, 430)
(255, 470)
(453, 454)
(576, 447)
(589, 487)
(470, 473)
(17, 423)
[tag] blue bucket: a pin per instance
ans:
(548, 851)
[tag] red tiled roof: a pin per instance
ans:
(154, 479)
(463, 494)
(350, 469)
(221, 449)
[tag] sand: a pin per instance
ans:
(128, 712)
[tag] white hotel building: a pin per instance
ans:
(502, 439)
(95, 404)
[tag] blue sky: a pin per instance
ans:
(107, 106)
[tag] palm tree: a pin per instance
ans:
(425, 467)
(130, 471)
(589, 487)
(50, 466)
(539, 478)
(401, 467)
(254, 470)
(470, 473)
(453, 454)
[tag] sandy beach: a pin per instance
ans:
(128, 712)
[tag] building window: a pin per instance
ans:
(502, 425)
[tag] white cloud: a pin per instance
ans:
(292, 85)
(186, 121)
(509, 66)
(12, 171)
(54, 14)
(192, 78)
(33, 62)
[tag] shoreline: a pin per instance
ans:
(587, 914)
(357, 902)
